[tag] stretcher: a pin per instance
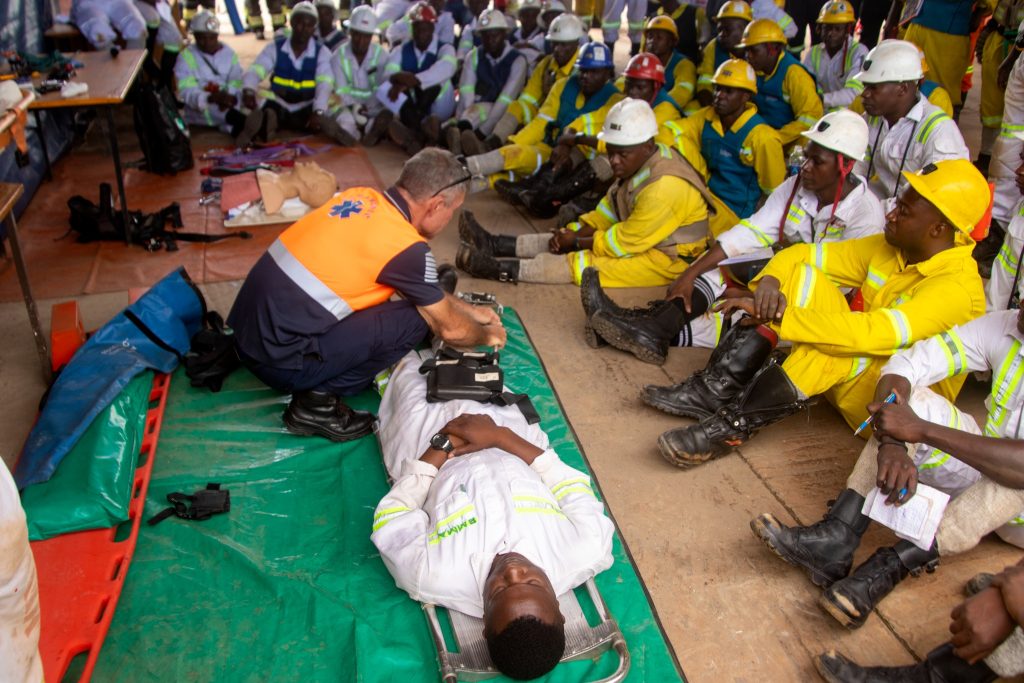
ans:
(471, 662)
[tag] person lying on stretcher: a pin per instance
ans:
(484, 518)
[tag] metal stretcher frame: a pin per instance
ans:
(582, 641)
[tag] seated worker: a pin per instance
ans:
(301, 81)
(358, 66)
(1004, 287)
(922, 438)
(422, 70)
(660, 39)
(327, 29)
(917, 279)
(313, 316)
(826, 202)
(573, 172)
(103, 21)
(492, 78)
(987, 641)
(528, 36)
(653, 219)
(551, 10)
(732, 18)
(995, 46)
(210, 78)
(564, 35)
(589, 90)
(837, 59)
(906, 132)
(731, 144)
(934, 92)
(460, 528)
(787, 97)
(254, 16)
(611, 22)
(401, 30)
(692, 28)
(468, 38)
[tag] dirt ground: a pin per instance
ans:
(731, 609)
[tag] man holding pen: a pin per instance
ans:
(922, 437)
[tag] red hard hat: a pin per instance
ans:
(647, 67)
(422, 11)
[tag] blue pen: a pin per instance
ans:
(888, 399)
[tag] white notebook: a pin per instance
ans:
(917, 520)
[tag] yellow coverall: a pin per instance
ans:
(761, 151)
(544, 76)
(948, 56)
(625, 247)
(1007, 14)
(840, 353)
(589, 9)
(800, 91)
(707, 67)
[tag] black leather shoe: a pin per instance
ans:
(475, 235)
(940, 666)
(646, 336)
(323, 414)
(447, 277)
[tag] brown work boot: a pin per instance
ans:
(407, 139)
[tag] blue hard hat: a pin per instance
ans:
(595, 55)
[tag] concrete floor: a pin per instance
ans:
(731, 609)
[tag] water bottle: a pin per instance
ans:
(796, 160)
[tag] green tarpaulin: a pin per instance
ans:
(287, 586)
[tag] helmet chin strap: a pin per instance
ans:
(845, 168)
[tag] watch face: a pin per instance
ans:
(441, 442)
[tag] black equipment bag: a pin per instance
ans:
(473, 375)
(163, 135)
(212, 355)
(202, 504)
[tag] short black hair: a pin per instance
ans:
(527, 648)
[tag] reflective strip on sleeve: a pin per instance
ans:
(308, 282)
(953, 348)
(929, 124)
(613, 242)
(1004, 386)
(384, 516)
(761, 236)
(819, 256)
(605, 209)
(876, 278)
(1008, 259)
(900, 325)
(937, 458)
(808, 274)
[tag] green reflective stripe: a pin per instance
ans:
(295, 85)
(704, 79)
(570, 482)
(807, 275)
(677, 130)
(953, 348)
(1009, 129)
(636, 25)
(468, 88)
(613, 242)
(937, 458)
(387, 515)
(579, 488)
(1007, 258)
(929, 125)
(259, 70)
(529, 99)
(545, 117)
(1004, 386)
(860, 364)
(324, 78)
(664, 150)
(816, 58)
(876, 278)
(854, 84)
(605, 209)
(451, 60)
(505, 99)
(609, 25)
(991, 121)
(900, 325)
(235, 84)
(441, 534)
(796, 214)
(850, 54)
(455, 515)
(1016, 521)
(188, 82)
(807, 120)
(761, 237)
(190, 60)
(685, 85)
(640, 177)
(784, 21)
(392, 68)
(580, 264)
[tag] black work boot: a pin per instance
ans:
(851, 600)
(544, 199)
(646, 336)
(768, 398)
(447, 277)
(474, 234)
(940, 666)
(513, 191)
(825, 549)
(732, 365)
(482, 265)
(594, 299)
(321, 413)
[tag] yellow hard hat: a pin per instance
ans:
(736, 73)
(956, 188)
(762, 31)
(735, 9)
(836, 12)
(664, 22)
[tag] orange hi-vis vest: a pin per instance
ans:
(335, 253)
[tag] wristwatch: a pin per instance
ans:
(441, 442)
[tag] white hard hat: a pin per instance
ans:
(326, 3)
(892, 61)
(492, 19)
(630, 122)
(304, 7)
(841, 131)
(566, 28)
(553, 6)
(204, 21)
(362, 20)
(527, 4)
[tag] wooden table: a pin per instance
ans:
(109, 80)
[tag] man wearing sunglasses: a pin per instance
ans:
(315, 316)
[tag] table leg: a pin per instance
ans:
(42, 143)
(30, 302)
(115, 152)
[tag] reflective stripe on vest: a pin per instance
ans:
(308, 282)
(293, 84)
(772, 102)
(346, 68)
(730, 179)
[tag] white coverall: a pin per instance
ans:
(439, 73)
(484, 116)
(611, 20)
(1004, 268)
(535, 51)
(767, 9)
(390, 11)
(356, 84)
(925, 135)
(19, 591)
(858, 214)
(195, 72)
(439, 530)
(263, 68)
(1006, 150)
(100, 21)
(836, 75)
(160, 17)
(401, 30)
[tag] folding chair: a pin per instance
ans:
(471, 662)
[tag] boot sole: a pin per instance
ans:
(827, 675)
(671, 409)
(611, 334)
(766, 534)
(302, 428)
(592, 338)
(684, 463)
(837, 611)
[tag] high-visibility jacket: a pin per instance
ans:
(711, 59)
(680, 80)
(542, 78)
(692, 27)
(357, 82)
(925, 135)
(196, 73)
(296, 81)
(495, 82)
(1006, 266)
(1006, 150)
(740, 164)
(787, 98)
(434, 66)
(903, 302)
(836, 74)
(438, 530)
(563, 105)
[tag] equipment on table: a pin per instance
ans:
(471, 662)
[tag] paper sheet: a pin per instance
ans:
(916, 521)
(763, 253)
(392, 106)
